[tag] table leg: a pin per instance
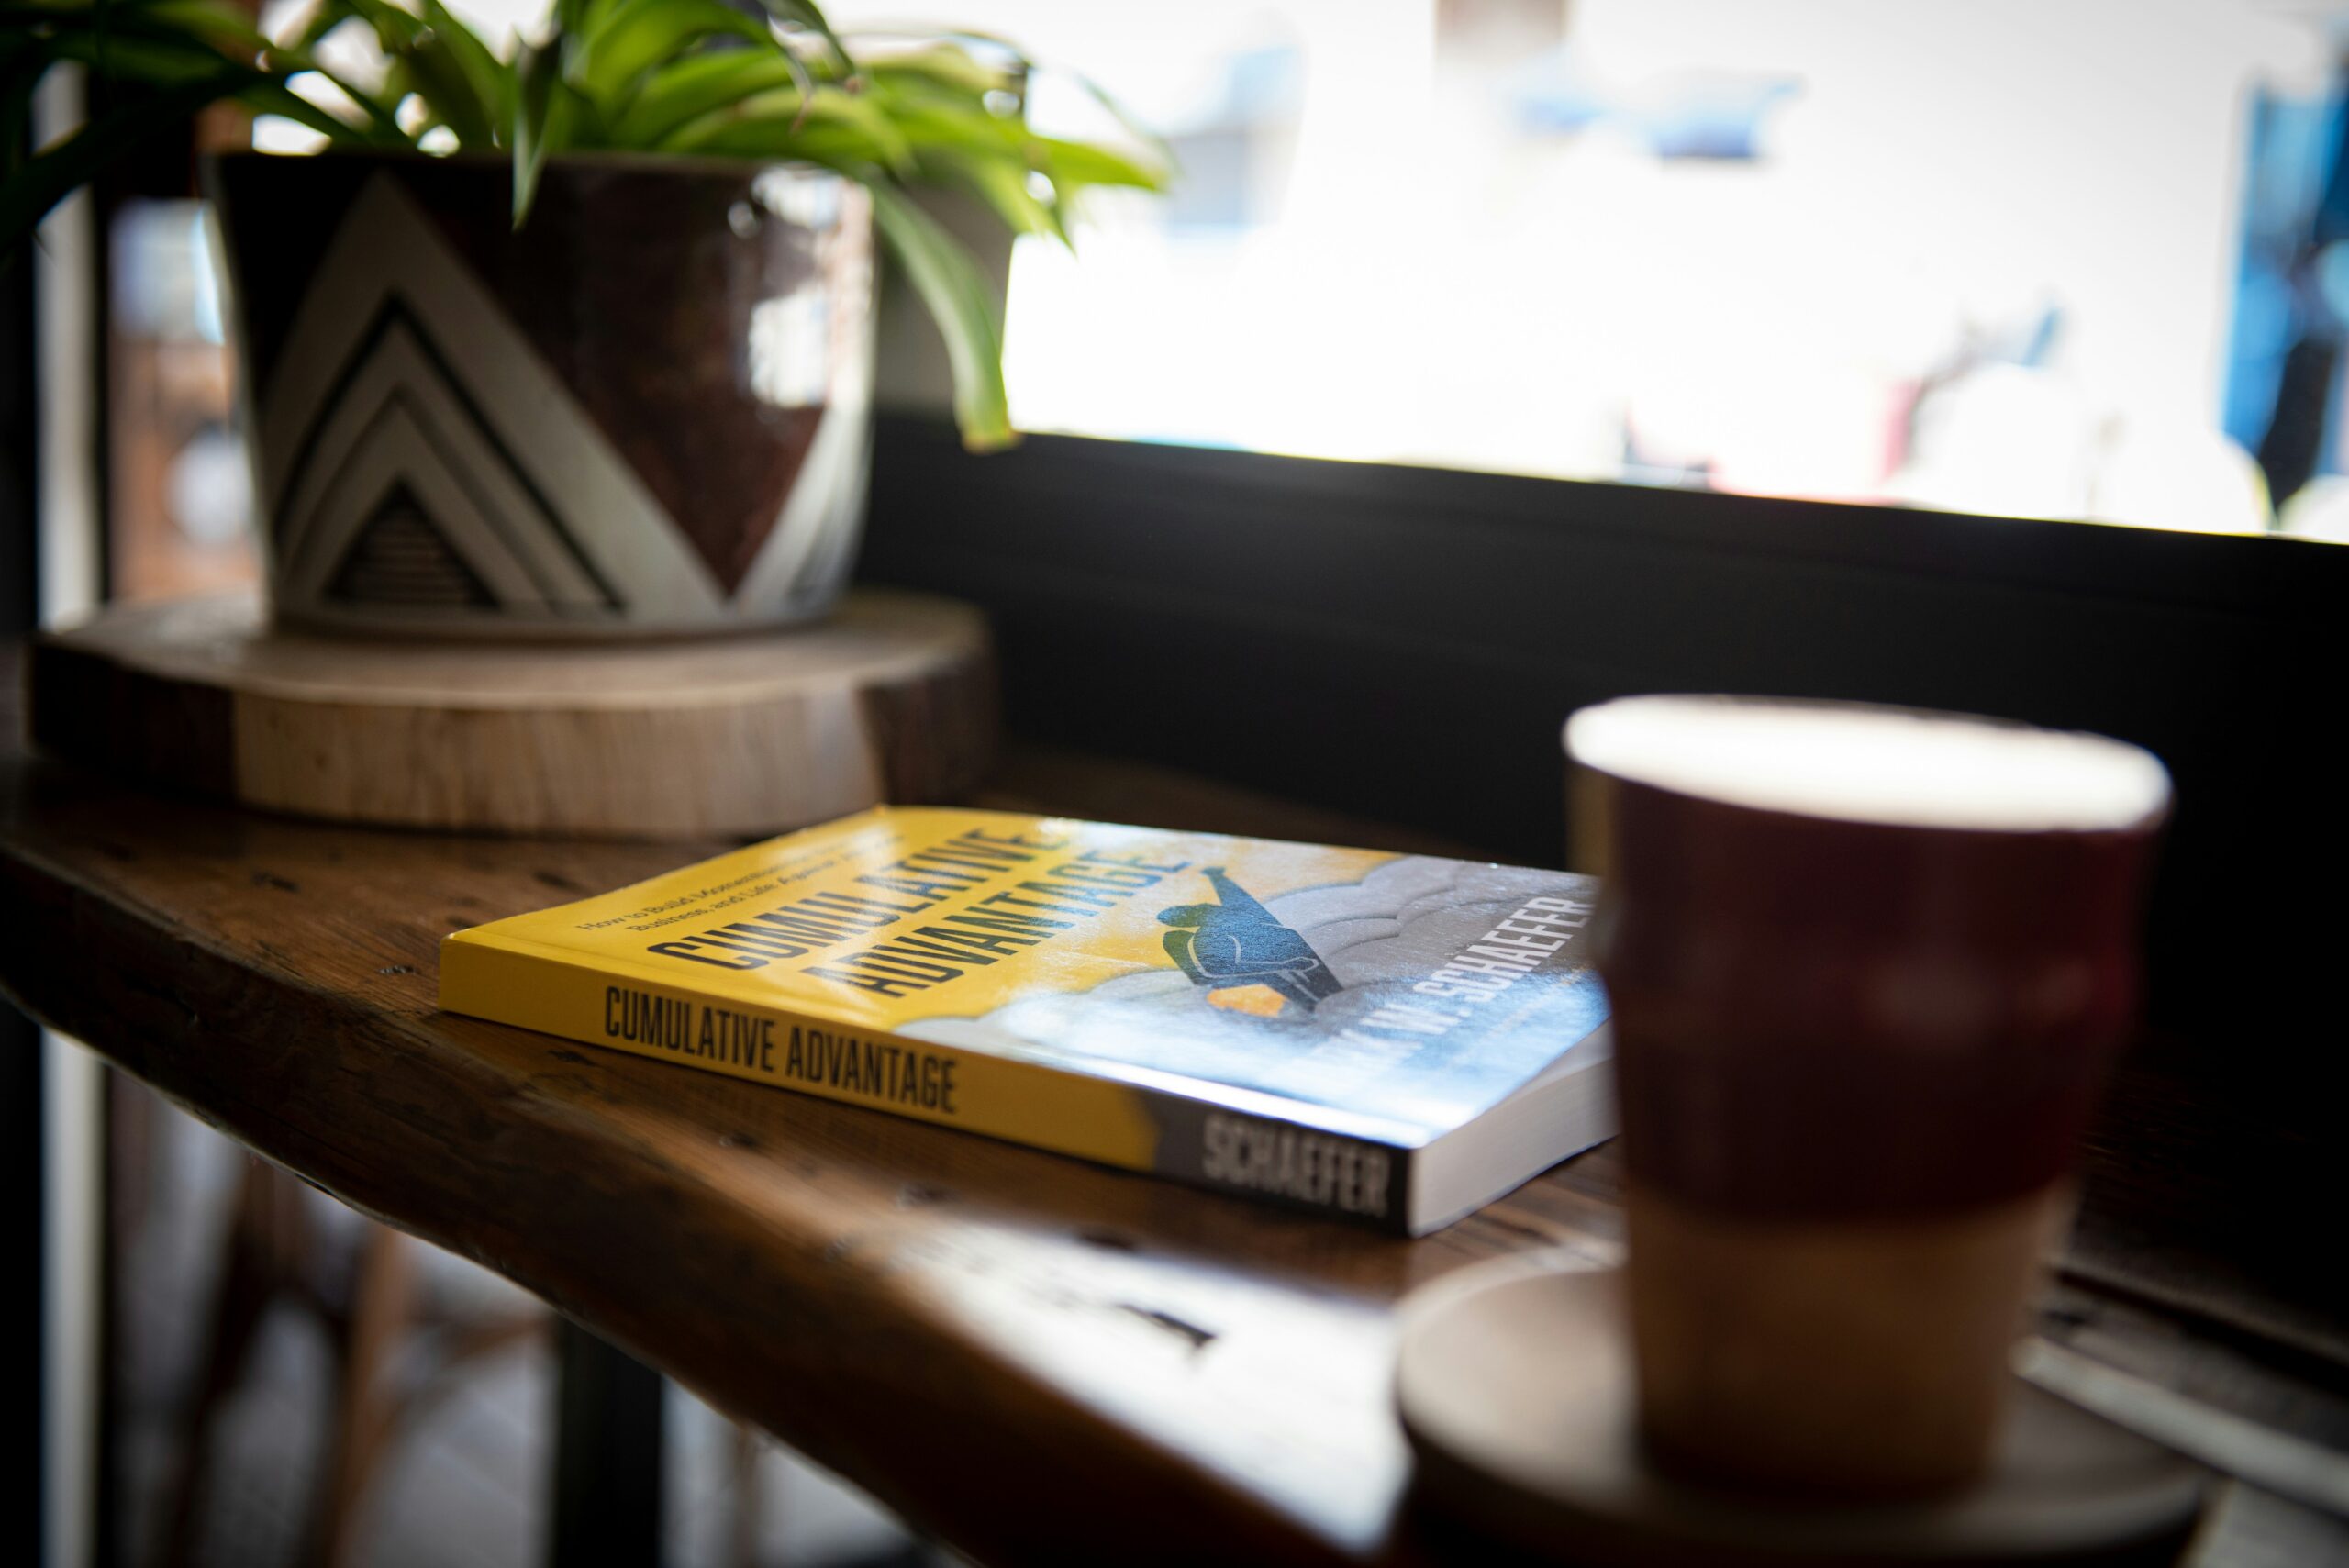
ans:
(607, 1455)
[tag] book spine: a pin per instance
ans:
(1125, 1126)
(1282, 1161)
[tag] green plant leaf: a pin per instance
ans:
(485, 74)
(130, 58)
(170, 43)
(999, 180)
(395, 30)
(856, 112)
(809, 17)
(223, 27)
(543, 110)
(961, 304)
(129, 43)
(276, 98)
(993, 157)
(1072, 165)
(573, 17)
(947, 134)
(1159, 148)
(685, 90)
(1023, 65)
(637, 35)
(823, 127)
(938, 120)
(942, 67)
(441, 80)
(399, 84)
(383, 127)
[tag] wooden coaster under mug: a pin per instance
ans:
(1515, 1384)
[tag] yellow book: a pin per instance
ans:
(1398, 1038)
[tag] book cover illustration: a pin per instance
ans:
(1104, 990)
(1399, 1003)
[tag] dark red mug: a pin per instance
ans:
(1869, 969)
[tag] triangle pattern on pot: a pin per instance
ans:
(399, 558)
(398, 428)
(402, 374)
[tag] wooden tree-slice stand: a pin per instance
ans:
(891, 699)
(1515, 1385)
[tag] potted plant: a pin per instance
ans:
(577, 339)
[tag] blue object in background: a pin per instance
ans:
(2291, 311)
(1712, 115)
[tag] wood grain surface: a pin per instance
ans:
(748, 734)
(1034, 1360)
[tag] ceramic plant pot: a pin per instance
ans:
(648, 412)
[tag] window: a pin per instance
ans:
(1980, 255)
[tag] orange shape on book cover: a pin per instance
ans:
(1262, 1001)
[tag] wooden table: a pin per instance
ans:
(1030, 1358)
